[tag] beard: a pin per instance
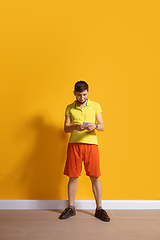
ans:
(81, 102)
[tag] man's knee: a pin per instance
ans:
(73, 179)
(94, 179)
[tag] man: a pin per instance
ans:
(82, 117)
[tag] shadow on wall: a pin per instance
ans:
(38, 175)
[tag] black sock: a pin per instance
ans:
(71, 206)
(99, 207)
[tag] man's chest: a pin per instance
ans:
(84, 114)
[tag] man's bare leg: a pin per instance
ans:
(72, 189)
(100, 213)
(96, 187)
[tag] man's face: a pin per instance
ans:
(81, 96)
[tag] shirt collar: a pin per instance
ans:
(87, 104)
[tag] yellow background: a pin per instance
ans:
(46, 46)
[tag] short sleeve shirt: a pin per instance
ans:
(86, 114)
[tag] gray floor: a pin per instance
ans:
(44, 224)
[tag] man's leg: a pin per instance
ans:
(72, 189)
(100, 213)
(96, 187)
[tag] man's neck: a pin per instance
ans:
(80, 105)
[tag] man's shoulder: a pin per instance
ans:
(93, 103)
(71, 105)
(96, 106)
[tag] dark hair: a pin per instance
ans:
(80, 86)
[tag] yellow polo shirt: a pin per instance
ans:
(88, 114)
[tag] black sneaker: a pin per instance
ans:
(102, 215)
(68, 212)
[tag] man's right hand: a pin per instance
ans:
(79, 127)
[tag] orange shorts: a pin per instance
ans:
(78, 152)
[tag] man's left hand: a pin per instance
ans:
(90, 126)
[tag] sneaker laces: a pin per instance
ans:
(102, 210)
(66, 209)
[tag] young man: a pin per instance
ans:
(82, 118)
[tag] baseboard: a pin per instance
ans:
(79, 204)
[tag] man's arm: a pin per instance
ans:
(70, 128)
(100, 124)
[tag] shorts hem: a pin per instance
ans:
(89, 175)
(71, 175)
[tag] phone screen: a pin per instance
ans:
(85, 124)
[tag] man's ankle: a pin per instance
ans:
(99, 207)
(71, 206)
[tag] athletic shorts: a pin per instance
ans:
(78, 152)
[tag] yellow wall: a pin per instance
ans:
(46, 46)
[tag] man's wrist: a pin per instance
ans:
(75, 126)
(96, 126)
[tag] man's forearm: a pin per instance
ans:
(70, 128)
(100, 127)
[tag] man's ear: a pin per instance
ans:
(74, 93)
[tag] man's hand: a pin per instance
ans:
(79, 127)
(90, 126)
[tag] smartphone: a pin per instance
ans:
(85, 124)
